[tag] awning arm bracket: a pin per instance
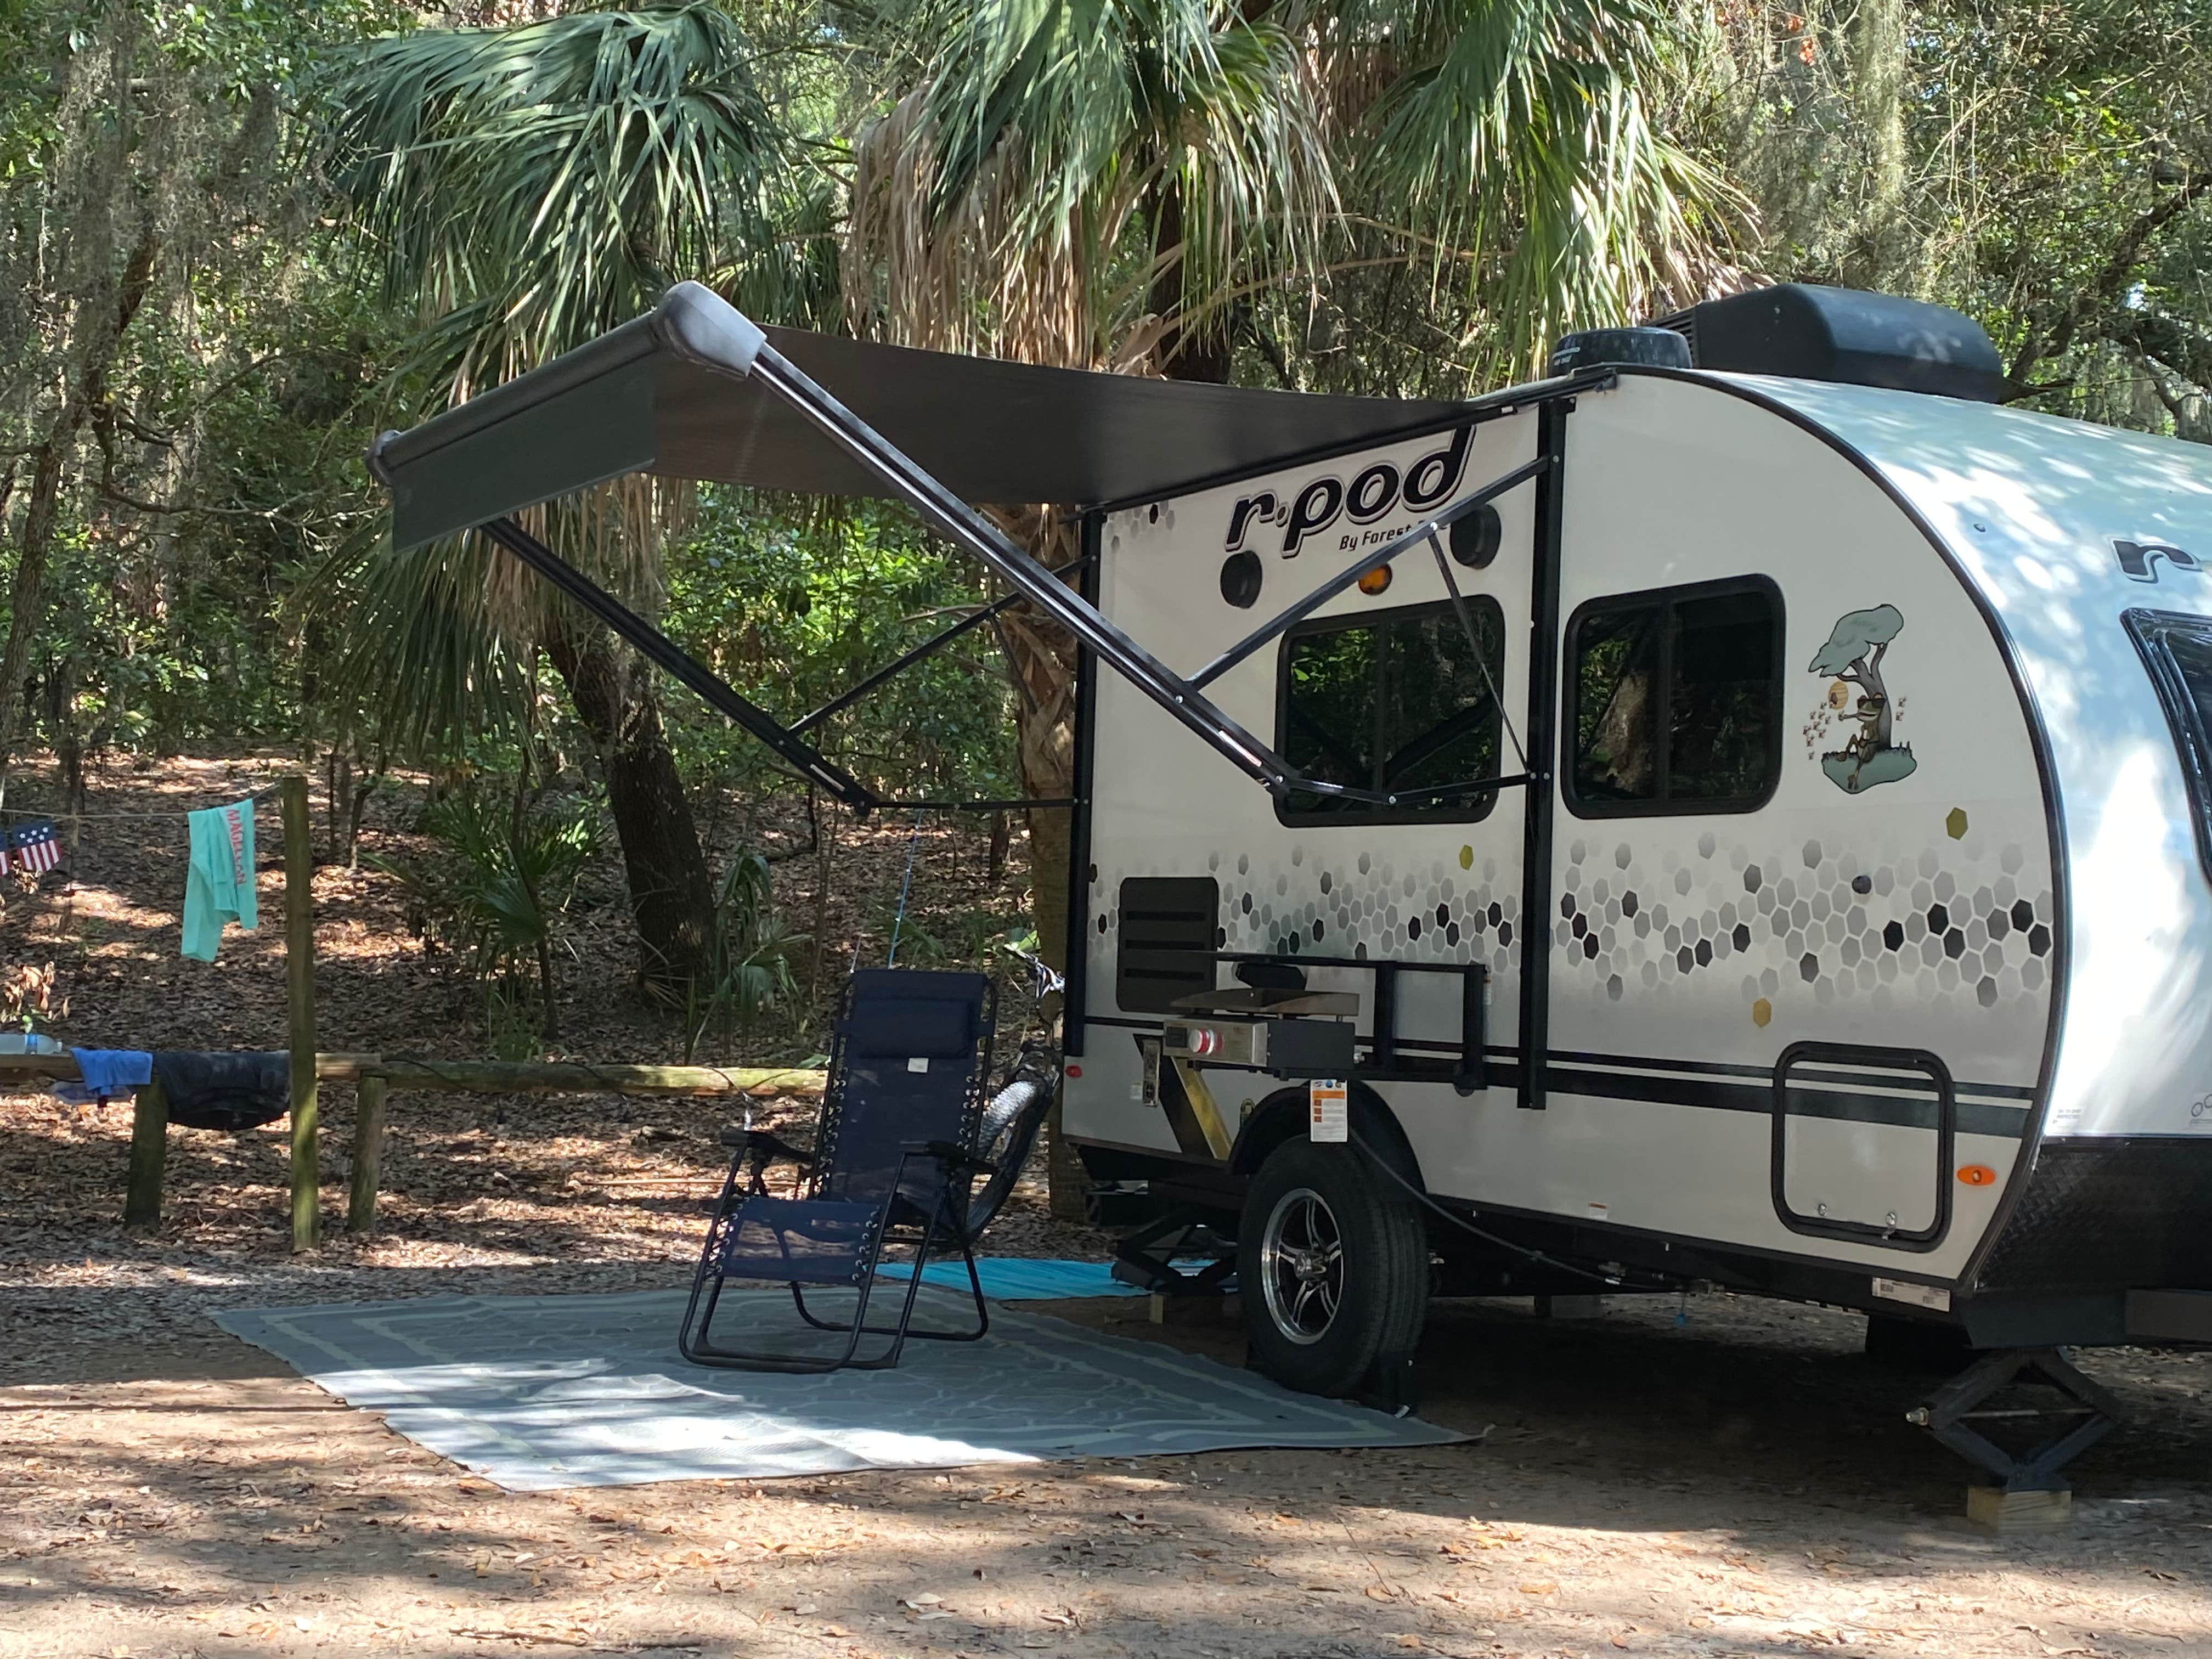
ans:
(657, 646)
(929, 647)
(960, 524)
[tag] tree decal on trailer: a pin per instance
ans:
(1851, 657)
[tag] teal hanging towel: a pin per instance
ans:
(219, 883)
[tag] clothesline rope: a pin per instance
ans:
(103, 818)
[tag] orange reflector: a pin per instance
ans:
(1375, 579)
(1978, 1174)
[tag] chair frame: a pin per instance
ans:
(760, 1150)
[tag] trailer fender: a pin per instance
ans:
(1282, 1116)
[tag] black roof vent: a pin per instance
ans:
(1810, 333)
(1652, 348)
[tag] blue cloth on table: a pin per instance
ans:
(105, 1072)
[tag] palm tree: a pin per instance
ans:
(527, 189)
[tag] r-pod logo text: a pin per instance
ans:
(1373, 493)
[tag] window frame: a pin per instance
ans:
(1570, 691)
(2192, 743)
(1477, 807)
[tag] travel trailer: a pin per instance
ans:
(1738, 811)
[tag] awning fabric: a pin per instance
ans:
(669, 394)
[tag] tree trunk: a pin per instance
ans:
(670, 894)
(1880, 73)
(1201, 352)
(100, 331)
(1042, 659)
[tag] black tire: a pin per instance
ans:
(1381, 1266)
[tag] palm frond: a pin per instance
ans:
(1009, 201)
(532, 187)
(1518, 135)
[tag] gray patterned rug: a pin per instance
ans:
(538, 1392)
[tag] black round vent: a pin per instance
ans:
(1240, 579)
(1475, 538)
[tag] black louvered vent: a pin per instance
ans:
(1168, 925)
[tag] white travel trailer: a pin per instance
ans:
(1718, 826)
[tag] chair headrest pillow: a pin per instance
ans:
(928, 1027)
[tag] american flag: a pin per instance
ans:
(33, 845)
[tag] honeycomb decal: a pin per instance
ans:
(1956, 925)
(1954, 922)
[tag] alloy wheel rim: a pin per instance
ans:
(1302, 1265)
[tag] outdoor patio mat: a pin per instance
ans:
(539, 1392)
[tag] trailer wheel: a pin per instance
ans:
(1332, 1269)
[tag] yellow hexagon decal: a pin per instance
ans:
(1761, 1011)
(1467, 858)
(1955, 825)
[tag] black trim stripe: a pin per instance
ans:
(1841, 1281)
(2001, 1110)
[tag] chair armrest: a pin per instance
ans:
(949, 1152)
(767, 1147)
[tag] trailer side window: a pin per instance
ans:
(1396, 702)
(1675, 700)
(2177, 648)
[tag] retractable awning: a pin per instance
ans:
(671, 394)
(696, 390)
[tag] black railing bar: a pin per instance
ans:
(1407, 797)
(1059, 803)
(1375, 561)
(651, 642)
(962, 524)
(1304, 960)
(845, 700)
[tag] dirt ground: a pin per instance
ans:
(1706, 1476)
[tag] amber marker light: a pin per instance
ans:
(1978, 1174)
(1375, 580)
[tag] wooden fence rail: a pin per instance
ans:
(375, 1076)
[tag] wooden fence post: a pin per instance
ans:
(367, 1152)
(149, 1155)
(299, 997)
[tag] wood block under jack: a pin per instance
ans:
(1994, 1509)
(1195, 1310)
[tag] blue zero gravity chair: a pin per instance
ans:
(893, 1159)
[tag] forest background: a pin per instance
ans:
(239, 237)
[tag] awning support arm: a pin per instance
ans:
(974, 619)
(1336, 585)
(960, 524)
(653, 643)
